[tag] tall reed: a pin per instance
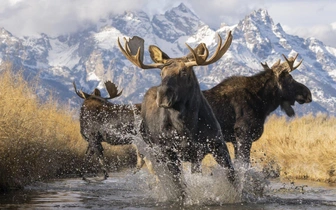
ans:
(40, 140)
(299, 148)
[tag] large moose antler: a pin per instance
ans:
(201, 59)
(265, 65)
(133, 51)
(112, 90)
(110, 87)
(80, 93)
(290, 62)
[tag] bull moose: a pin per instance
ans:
(103, 121)
(176, 116)
(241, 104)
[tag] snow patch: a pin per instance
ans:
(61, 54)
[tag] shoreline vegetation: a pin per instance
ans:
(296, 148)
(41, 141)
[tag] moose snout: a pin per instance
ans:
(165, 97)
(305, 97)
(309, 98)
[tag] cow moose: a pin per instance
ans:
(176, 116)
(103, 121)
(241, 104)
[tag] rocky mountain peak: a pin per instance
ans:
(91, 56)
(176, 22)
(4, 32)
(182, 8)
(261, 16)
(258, 20)
(132, 21)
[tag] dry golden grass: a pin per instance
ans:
(299, 148)
(303, 148)
(40, 140)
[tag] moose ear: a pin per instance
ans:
(265, 66)
(276, 64)
(96, 92)
(199, 50)
(157, 55)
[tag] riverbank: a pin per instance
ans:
(42, 140)
(298, 148)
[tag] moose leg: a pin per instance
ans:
(195, 160)
(174, 166)
(95, 147)
(140, 160)
(221, 154)
(243, 151)
(87, 158)
(245, 135)
(243, 147)
(235, 147)
(196, 167)
(99, 151)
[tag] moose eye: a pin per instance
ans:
(288, 77)
(183, 72)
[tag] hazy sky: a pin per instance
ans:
(306, 18)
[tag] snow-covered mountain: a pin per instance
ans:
(91, 56)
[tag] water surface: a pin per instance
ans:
(125, 190)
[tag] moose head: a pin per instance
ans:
(290, 90)
(110, 87)
(178, 80)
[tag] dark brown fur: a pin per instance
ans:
(241, 104)
(103, 121)
(177, 117)
(186, 130)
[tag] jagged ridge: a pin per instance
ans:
(91, 56)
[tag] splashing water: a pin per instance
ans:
(201, 188)
(211, 189)
(156, 190)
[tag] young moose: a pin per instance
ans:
(176, 116)
(102, 121)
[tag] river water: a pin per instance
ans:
(126, 190)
